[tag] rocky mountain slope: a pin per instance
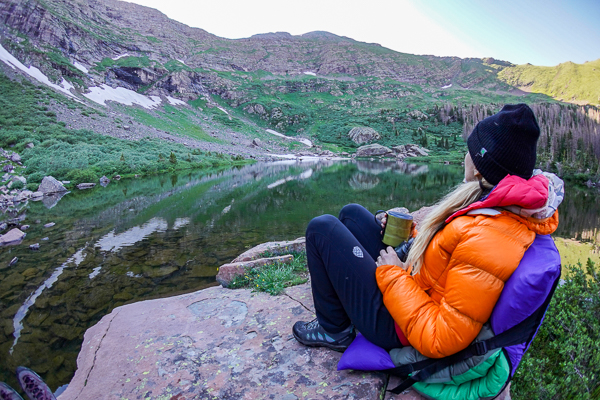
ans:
(126, 62)
(169, 55)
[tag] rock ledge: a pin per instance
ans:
(215, 343)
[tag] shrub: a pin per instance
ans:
(17, 184)
(564, 359)
(77, 176)
(274, 278)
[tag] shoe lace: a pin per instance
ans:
(312, 324)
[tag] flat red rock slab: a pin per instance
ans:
(214, 344)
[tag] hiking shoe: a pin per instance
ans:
(34, 387)
(312, 334)
(8, 393)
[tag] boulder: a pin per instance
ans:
(14, 236)
(410, 150)
(399, 149)
(214, 343)
(21, 179)
(228, 272)
(361, 135)
(418, 115)
(8, 168)
(30, 145)
(257, 142)
(275, 248)
(104, 181)
(15, 157)
(373, 150)
(50, 185)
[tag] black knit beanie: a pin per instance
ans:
(505, 143)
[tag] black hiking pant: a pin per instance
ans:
(341, 255)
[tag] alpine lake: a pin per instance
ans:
(159, 236)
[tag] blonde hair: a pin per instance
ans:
(464, 194)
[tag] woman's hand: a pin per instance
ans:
(389, 257)
(382, 218)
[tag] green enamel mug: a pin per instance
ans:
(397, 228)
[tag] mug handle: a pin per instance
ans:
(376, 214)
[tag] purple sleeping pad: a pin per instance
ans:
(526, 290)
(523, 293)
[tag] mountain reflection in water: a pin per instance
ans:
(160, 236)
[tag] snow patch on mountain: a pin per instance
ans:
(102, 94)
(35, 73)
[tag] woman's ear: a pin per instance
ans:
(477, 173)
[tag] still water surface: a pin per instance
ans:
(166, 235)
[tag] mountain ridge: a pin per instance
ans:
(316, 86)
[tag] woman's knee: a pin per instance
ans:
(321, 224)
(351, 210)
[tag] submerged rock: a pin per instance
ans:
(83, 186)
(51, 200)
(14, 236)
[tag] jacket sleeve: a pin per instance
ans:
(471, 263)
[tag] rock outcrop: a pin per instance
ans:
(228, 272)
(51, 185)
(254, 258)
(374, 150)
(410, 150)
(214, 343)
(360, 135)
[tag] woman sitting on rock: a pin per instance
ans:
(465, 251)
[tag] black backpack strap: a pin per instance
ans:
(523, 332)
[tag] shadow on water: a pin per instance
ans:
(166, 235)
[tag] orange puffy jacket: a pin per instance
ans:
(441, 309)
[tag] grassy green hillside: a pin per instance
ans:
(81, 155)
(567, 82)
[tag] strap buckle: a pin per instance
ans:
(481, 348)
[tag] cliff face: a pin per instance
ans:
(128, 45)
